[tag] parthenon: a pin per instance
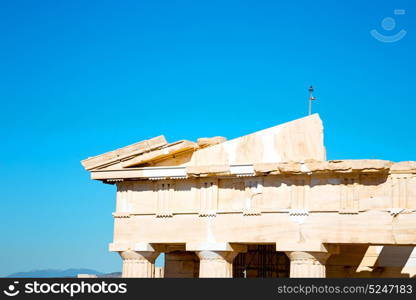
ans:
(267, 204)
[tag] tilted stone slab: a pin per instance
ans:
(124, 153)
(172, 149)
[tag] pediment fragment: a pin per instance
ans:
(124, 153)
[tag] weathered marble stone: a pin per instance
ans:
(337, 218)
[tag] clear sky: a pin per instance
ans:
(79, 78)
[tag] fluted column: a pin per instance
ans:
(138, 263)
(216, 264)
(307, 264)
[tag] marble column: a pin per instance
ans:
(307, 264)
(138, 264)
(216, 264)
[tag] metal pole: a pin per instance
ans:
(311, 98)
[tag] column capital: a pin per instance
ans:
(307, 264)
(216, 259)
(216, 264)
(313, 258)
(216, 255)
(139, 255)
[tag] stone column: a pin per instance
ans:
(307, 264)
(216, 264)
(138, 263)
(216, 259)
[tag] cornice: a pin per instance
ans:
(306, 168)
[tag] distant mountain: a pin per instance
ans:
(54, 273)
(110, 275)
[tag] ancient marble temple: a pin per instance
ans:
(267, 204)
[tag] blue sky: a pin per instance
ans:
(79, 78)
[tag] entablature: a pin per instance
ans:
(297, 194)
(332, 167)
